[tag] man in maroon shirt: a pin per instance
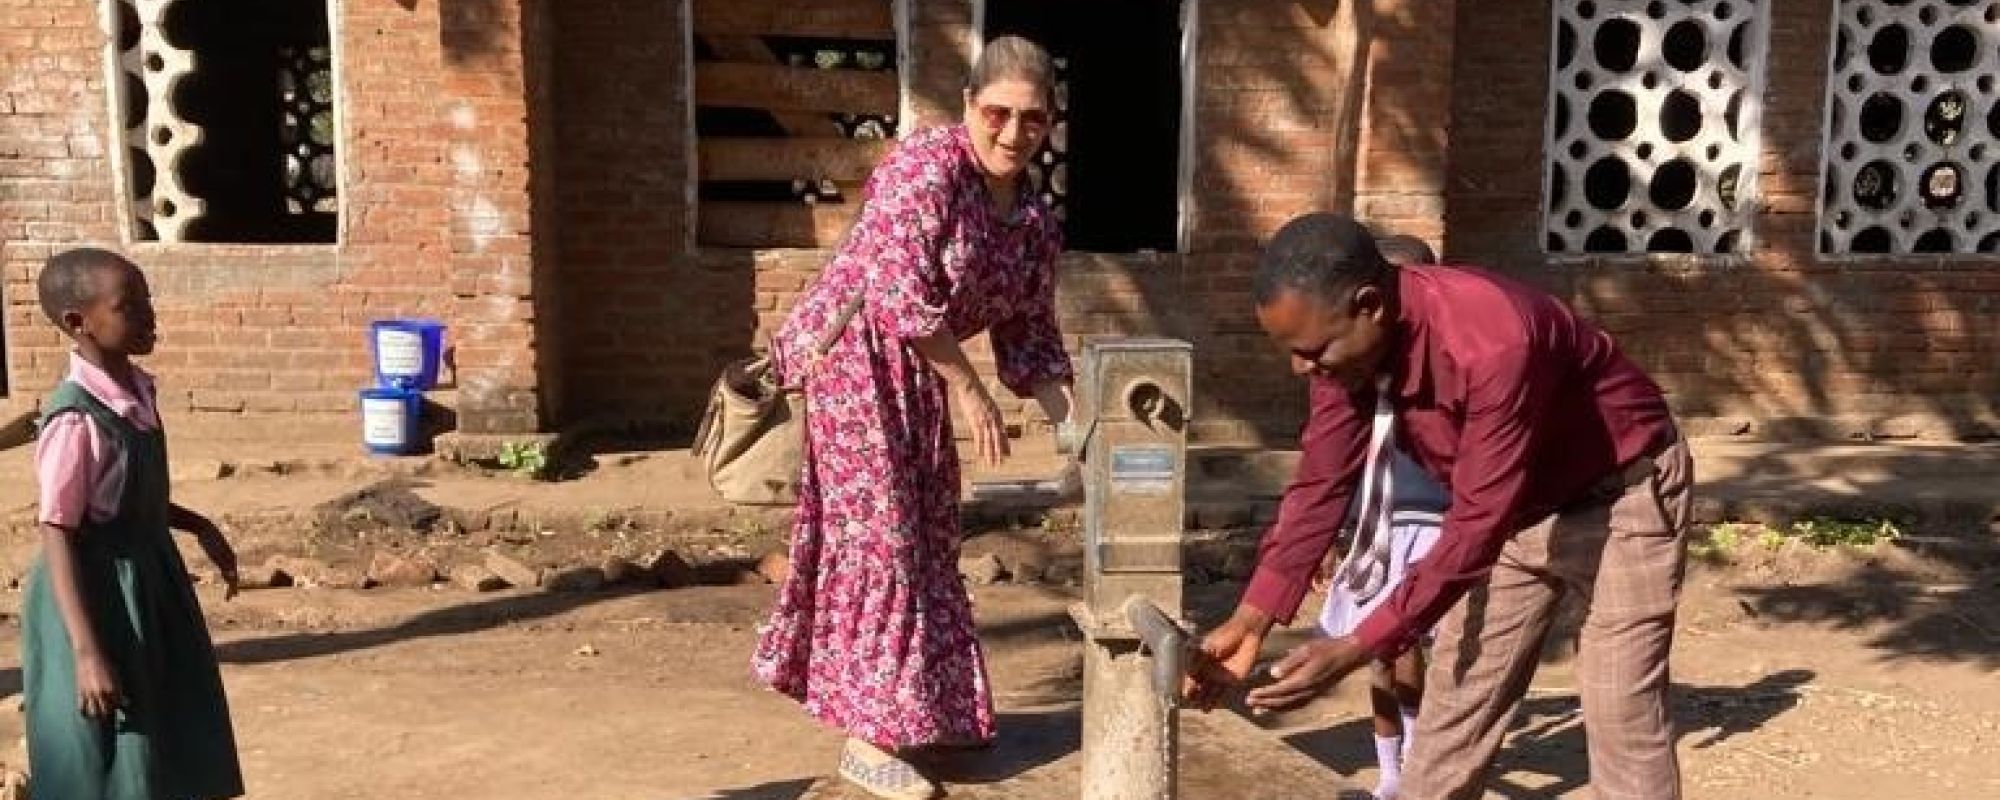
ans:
(1566, 473)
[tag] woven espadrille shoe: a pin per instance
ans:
(883, 775)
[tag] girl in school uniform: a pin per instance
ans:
(1415, 518)
(124, 699)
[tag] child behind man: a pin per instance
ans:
(124, 699)
(1417, 505)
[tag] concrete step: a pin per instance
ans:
(1220, 470)
(1937, 487)
(1930, 488)
(1932, 485)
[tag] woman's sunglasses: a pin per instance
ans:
(1033, 120)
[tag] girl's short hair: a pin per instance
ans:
(68, 281)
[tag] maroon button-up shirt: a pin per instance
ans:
(1502, 393)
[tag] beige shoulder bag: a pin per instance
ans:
(752, 437)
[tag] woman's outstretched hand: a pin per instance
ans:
(989, 432)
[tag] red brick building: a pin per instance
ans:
(603, 197)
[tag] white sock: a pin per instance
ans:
(1389, 755)
(1409, 730)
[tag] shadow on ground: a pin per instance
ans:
(1947, 609)
(451, 621)
(483, 615)
(779, 790)
(1029, 740)
(1548, 739)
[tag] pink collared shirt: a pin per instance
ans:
(81, 470)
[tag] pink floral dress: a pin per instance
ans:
(873, 631)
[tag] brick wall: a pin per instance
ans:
(54, 179)
(1783, 342)
(941, 43)
(521, 168)
(496, 103)
(1300, 106)
(1278, 106)
(641, 321)
(267, 342)
(649, 319)
(650, 325)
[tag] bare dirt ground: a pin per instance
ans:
(1799, 674)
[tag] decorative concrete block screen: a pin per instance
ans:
(226, 116)
(1912, 153)
(1050, 171)
(305, 86)
(149, 68)
(1652, 136)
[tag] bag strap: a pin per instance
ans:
(839, 326)
(703, 436)
(834, 330)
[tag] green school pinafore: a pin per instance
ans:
(173, 740)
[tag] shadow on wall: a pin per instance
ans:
(1278, 95)
(640, 317)
(1789, 344)
(1860, 351)
(649, 325)
(469, 29)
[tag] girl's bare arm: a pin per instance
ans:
(96, 685)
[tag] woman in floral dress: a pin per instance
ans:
(873, 630)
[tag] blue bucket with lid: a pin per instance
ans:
(390, 420)
(408, 352)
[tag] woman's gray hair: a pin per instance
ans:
(1013, 58)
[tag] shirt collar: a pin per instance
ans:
(1410, 358)
(101, 385)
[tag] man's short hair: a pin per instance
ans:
(1319, 254)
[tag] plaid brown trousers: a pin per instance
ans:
(1622, 551)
